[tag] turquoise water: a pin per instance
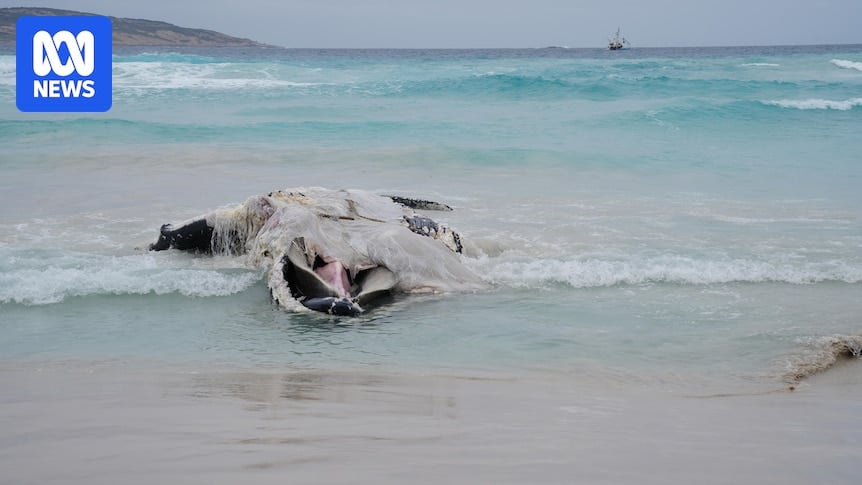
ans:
(645, 212)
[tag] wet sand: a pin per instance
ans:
(118, 422)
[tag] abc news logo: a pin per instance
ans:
(46, 59)
(63, 63)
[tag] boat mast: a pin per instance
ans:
(618, 42)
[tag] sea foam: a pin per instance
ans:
(589, 273)
(821, 354)
(845, 64)
(806, 104)
(217, 76)
(56, 278)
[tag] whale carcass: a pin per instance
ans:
(334, 251)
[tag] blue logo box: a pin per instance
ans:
(63, 63)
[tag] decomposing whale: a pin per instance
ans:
(333, 251)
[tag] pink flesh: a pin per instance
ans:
(335, 274)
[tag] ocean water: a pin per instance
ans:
(657, 218)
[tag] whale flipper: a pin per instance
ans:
(195, 235)
(425, 226)
(428, 205)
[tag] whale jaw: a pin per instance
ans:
(328, 288)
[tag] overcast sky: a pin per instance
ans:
(499, 23)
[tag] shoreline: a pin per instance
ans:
(71, 424)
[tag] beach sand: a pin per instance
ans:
(118, 422)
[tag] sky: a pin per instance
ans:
(498, 23)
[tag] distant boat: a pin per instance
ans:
(617, 42)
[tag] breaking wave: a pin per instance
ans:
(39, 280)
(822, 354)
(806, 104)
(196, 76)
(589, 273)
(845, 64)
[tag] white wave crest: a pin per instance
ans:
(821, 354)
(589, 273)
(845, 64)
(59, 278)
(759, 64)
(171, 75)
(845, 105)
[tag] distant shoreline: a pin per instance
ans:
(129, 32)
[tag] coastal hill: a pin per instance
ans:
(132, 32)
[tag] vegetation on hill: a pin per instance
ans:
(132, 32)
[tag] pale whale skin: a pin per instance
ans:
(333, 251)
